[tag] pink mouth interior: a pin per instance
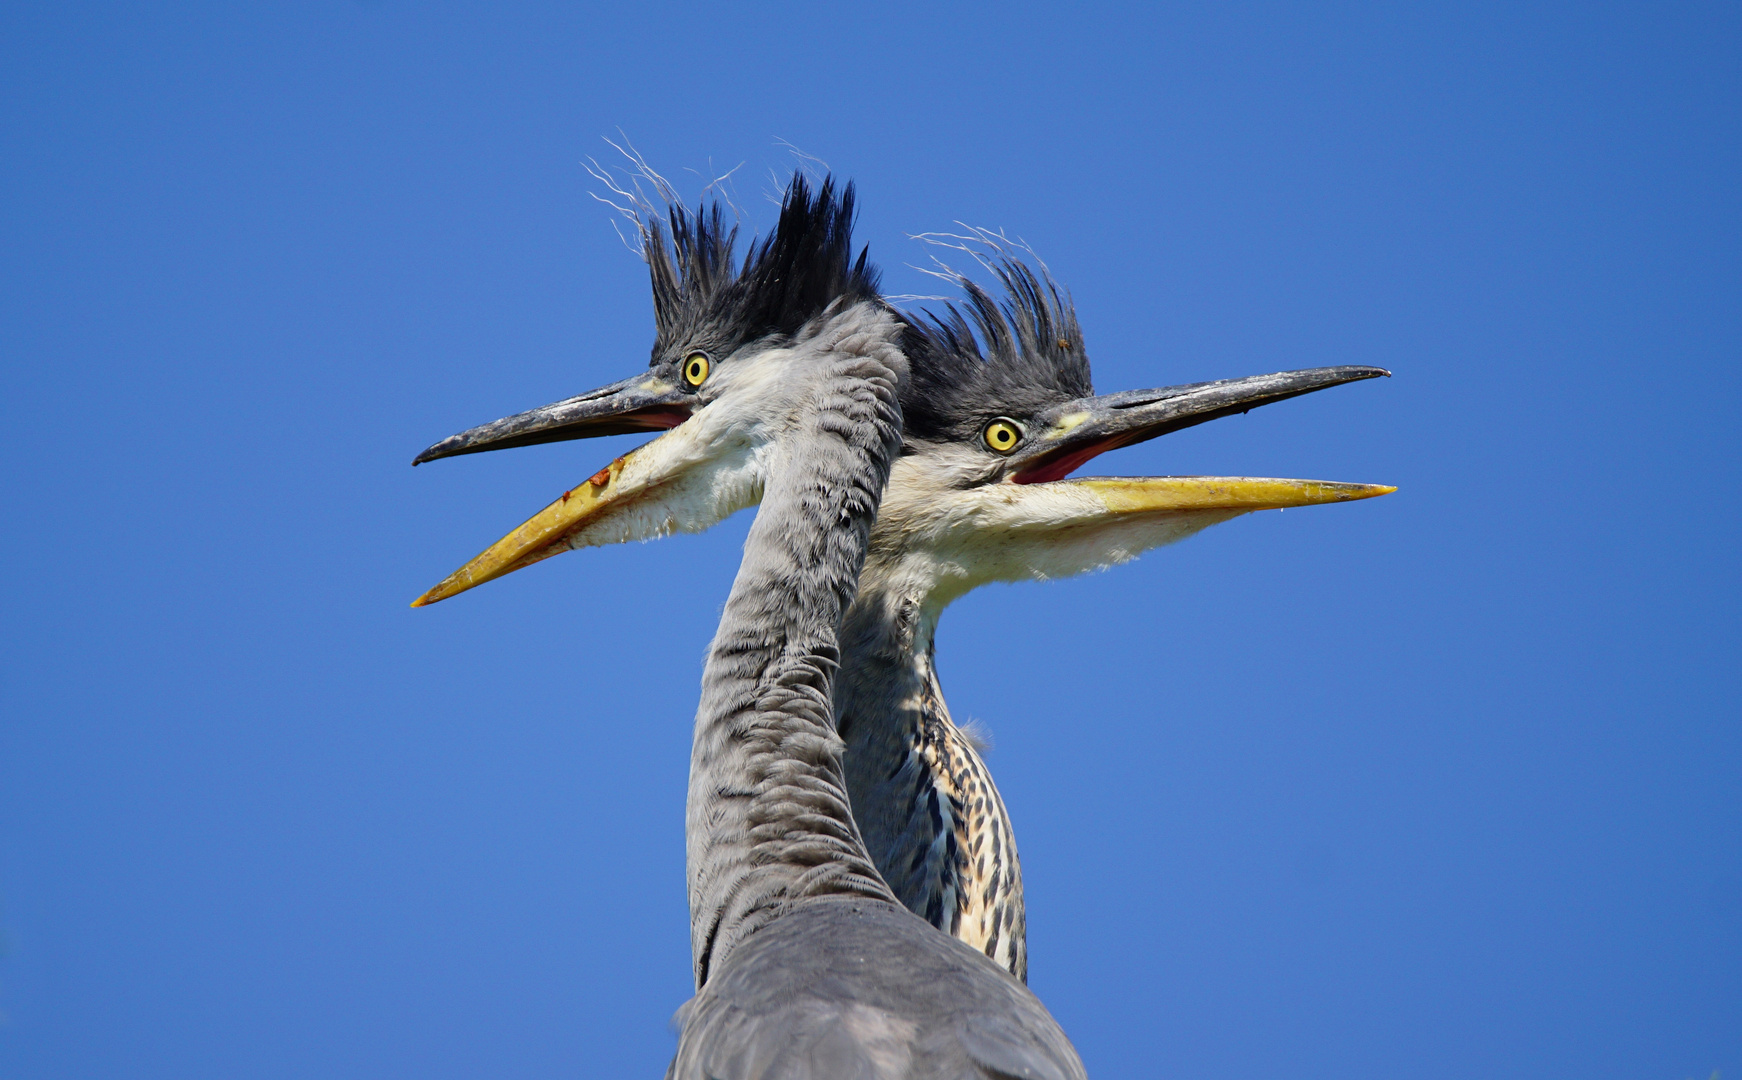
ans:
(661, 419)
(1057, 468)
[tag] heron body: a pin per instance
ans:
(998, 413)
(836, 824)
(786, 375)
(924, 799)
(999, 410)
(832, 995)
(807, 965)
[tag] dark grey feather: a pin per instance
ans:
(702, 300)
(805, 963)
(993, 359)
(850, 988)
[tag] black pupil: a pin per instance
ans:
(695, 369)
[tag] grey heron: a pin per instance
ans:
(1000, 408)
(998, 412)
(780, 381)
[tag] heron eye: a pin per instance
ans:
(1002, 436)
(695, 368)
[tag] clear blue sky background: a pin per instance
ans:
(1442, 785)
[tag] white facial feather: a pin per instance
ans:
(935, 541)
(712, 465)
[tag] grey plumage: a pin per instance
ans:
(932, 818)
(806, 965)
(805, 962)
(924, 799)
(702, 300)
(850, 989)
(769, 823)
(960, 512)
(986, 359)
(780, 382)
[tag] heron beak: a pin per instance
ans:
(1183, 494)
(544, 534)
(1077, 431)
(657, 487)
(642, 403)
(1070, 434)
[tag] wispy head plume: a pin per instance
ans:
(989, 358)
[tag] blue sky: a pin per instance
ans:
(1438, 785)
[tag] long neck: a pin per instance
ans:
(931, 816)
(769, 822)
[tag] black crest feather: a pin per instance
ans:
(995, 359)
(702, 301)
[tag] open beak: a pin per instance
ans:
(1179, 494)
(636, 496)
(643, 403)
(1073, 433)
(546, 533)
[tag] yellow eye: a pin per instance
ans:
(1002, 436)
(695, 368)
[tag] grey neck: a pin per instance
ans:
(885, 701)
(923, 799)
(886, 642)
(769, 822)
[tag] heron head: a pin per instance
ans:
(999, 412)
(733, 362)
